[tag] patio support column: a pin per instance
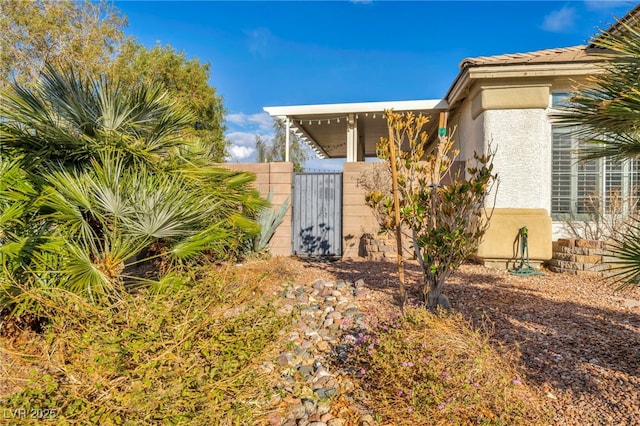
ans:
(352, 139)
(287, 138)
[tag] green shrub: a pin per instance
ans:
(101, 193)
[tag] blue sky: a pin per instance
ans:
(272, 53)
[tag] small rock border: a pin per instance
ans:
(324, 312)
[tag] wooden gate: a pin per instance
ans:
(317, 214)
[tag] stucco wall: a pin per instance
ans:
(469, 132)
(523, 157)
(559, 230)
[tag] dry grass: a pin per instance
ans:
(423, 368)
(186, 357)
(193, 357)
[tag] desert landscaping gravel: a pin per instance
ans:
(579, 339)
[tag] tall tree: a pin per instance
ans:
(187, 80)
(88, 38)
(276, 150)
(33, 33)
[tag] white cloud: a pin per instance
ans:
(242, 138)
(260, 121)
(559, 20)
(239, 119)
(258, 40)
(263, 120)
(239, 153)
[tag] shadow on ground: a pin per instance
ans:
(567, 344)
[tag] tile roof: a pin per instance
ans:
(632, 18)
(558, 55)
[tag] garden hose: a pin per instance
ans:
(525, 267)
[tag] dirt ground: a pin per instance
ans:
(579, 340)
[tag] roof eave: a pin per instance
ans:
(470, 73)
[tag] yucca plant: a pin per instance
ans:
(269, 219)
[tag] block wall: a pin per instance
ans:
(278, 179)
(358, 219)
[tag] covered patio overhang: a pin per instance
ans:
(349, 130)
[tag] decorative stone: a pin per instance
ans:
(366, 420)
(318, 284)
(298, 411)
(309, 405)
(325, 392)
(274, 419)
(323, 346)
(305, 370)
(323, 408)
(284, 359)
(360, 292)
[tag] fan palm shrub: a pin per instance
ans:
(99, 193)
(68, 118)
(607, 115)
(607, 112)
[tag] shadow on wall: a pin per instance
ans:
(315, 242)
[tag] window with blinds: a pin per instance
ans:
(579, 188)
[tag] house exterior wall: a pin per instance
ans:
(469, 131)
(518, 128)
(278, 179)
(522, 139)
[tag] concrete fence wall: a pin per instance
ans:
(360, 226)
(278, 179)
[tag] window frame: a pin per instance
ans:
(628, 175)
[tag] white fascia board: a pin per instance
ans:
(298, 110)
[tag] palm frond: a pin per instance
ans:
(625, 249)
(215, 237)
(608, 111)
(68, 118)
